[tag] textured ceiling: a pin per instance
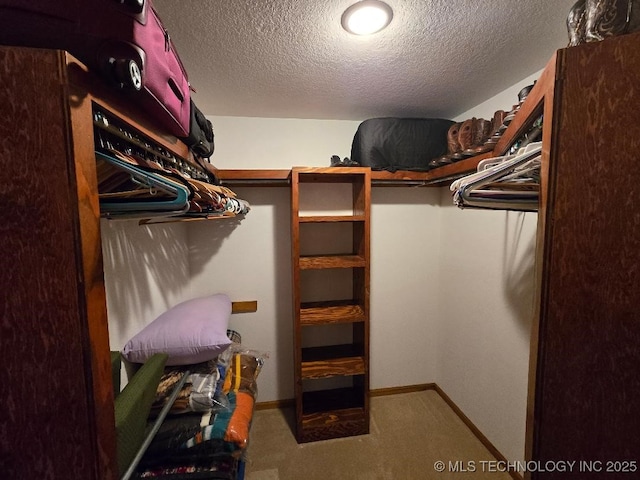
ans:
(292, 59)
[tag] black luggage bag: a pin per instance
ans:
(400, 143)
(201, 138)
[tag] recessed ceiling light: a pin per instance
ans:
(366, 17)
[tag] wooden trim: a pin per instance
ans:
(548, 98)
(247, 177)
(381, 392)
(475, 430)
(249, 306)
(285, 403)
(433, 178)
(93, 307)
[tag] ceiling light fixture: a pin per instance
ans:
(366, 17)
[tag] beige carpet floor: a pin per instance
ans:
(409, 433)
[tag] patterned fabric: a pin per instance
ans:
(198, 393)
(219, 467)
(240, 388)
(234, 336)
(185, 442)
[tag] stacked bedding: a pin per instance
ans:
(206, 442)
(207, 391)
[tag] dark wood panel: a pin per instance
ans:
(95, 324)
(46, 424)
(588, 388)
(546, 89)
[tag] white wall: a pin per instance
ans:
(146, 272)
(486, 309)
(252, 262)
(486, 312)
(405, 251)
(257, 143)
(504, 100)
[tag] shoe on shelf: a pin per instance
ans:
(335, 161)
(481, 130)
(346, 162)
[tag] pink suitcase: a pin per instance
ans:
(123, 40)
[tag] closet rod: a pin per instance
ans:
(156, 426)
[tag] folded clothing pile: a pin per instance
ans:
(200, 392)
(207, 427)
(193, 439)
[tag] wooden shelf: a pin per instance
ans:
(331, 218)
(331, 174)
(282, 178)
(321, 313)
(331, 361)
(334, 424)
(252, 178)
(318, 262)
(333, 414)
(433, 178)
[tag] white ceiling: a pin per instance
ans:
(292, 59)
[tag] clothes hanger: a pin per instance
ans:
(468, 191)
(176, 204)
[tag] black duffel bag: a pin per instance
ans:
(400, 143)
(200, 139)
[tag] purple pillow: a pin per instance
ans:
(191, 332)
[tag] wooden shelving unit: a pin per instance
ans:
(433, 178)
(332, 410)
